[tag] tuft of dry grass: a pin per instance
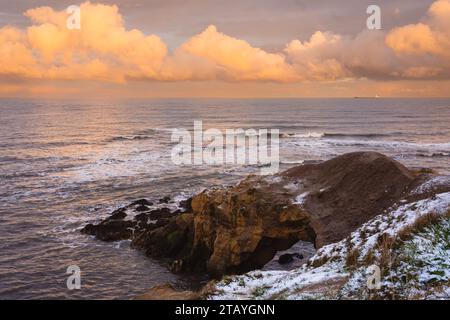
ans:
(318, 262)
(418, 225)
(385, 247)
(369, 258)
(351, 260)
(425, 171)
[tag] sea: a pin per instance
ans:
(65, 163)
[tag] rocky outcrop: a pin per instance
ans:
(141, 216)
(240, 228)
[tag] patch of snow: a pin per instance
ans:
(331, 262)
(275, 284)
(432, 183)
(301, 198)
(389, 224)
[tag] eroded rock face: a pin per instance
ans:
(240, 228)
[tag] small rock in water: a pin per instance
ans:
(164, 200)
(118, 214)
(141, 208)
(110, 230)
(141, 202)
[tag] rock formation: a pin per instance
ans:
(240, 228)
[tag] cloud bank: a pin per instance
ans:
(104, 50)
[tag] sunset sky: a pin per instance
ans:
(237, 48)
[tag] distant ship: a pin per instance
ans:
(375, 97)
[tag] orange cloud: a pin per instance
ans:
(104, 50)
(432, 37)
(236, 59)
(317, 58)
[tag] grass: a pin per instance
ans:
(259, 292)
(426, 171)
(351, 259)
(421, 262)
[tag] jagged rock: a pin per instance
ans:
(160, 213)
(141, 202)
(141, 208)
(118, 214)
(173, 238)
(186, 205)
(240, 228)
(111, 230)
(289, 257)
(166, 199)
(142, 217)
(115, 227)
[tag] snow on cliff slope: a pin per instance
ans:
(410, 245)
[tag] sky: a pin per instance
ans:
(235, 48)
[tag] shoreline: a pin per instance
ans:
(233, 230)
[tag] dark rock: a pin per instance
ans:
(299, 256)
(142, 217)
(286, 258)
(172, 240)
(164, 200)
(88, 229)
(141, 202)
(110, 230)
(141, 208)
(186, 205)
(118, 214)
(241, 228)
(160, 213)
(289, 257)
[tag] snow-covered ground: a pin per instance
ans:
(414, 262)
